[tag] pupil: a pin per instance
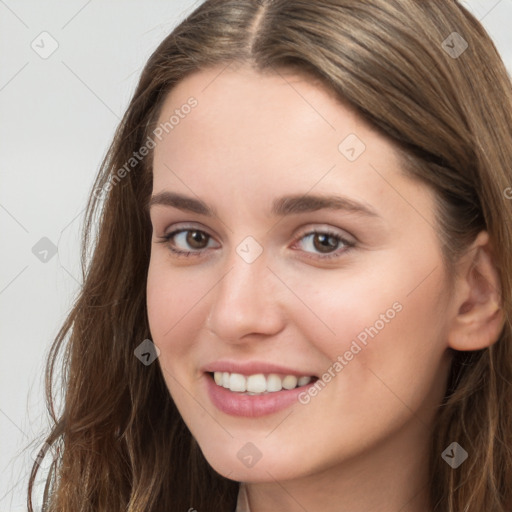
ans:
(326, 238)
(195, 239)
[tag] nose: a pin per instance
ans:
(246, 302)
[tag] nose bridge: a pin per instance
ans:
(245, 300)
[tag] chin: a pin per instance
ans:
(236, 464)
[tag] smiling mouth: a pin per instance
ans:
(259, 383)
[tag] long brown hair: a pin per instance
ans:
(119, 441)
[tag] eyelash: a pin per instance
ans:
(166, 240)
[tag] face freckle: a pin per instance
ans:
(371, 318)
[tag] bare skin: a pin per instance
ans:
(362, 443)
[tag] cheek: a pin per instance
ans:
(346, 305)
(177, 308)
(169, 297)
(384, 333)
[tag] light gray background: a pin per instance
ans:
(57, 117)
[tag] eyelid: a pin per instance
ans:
(337, 254)
(308, 229)
(324, 228)
(348, 241)
(178, 229)
(188, 226)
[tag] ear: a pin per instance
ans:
(480, 318)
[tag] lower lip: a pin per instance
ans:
(252, 406)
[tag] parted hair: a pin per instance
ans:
(118, 441)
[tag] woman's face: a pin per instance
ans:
(261, 163)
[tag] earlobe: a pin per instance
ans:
(479, 319)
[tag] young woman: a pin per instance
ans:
(299, 296)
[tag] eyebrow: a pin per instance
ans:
(286, 205)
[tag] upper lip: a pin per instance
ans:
(252, 368)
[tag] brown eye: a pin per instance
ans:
(195, 239)
(187, 242)
(324, 244)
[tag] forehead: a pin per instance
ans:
(263, 104)
(273, 133)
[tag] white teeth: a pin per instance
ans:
(274, 382)
(218, 377)
(237, 382)
(258, 383)
(290, 382)
(303, 381)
